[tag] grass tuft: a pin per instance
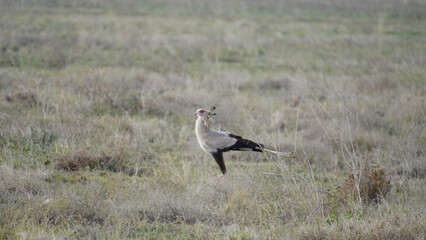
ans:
(115, 159)
(28, 98)
(369, 186)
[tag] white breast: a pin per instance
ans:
(211, 140)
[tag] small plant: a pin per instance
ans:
(332, 217)
(370, 186)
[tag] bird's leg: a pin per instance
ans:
(222, 176)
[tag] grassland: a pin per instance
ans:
(96, 119)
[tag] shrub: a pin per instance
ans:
(370, 185)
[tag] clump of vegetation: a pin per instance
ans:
(369, 186)
(27, 98)
(116, 159)
(83, 160)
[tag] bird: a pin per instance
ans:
(217, 142)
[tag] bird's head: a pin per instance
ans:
(204, 113)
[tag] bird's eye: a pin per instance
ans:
(201, 112)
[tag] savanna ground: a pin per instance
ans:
(96, 119)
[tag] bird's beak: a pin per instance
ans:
(195, 114)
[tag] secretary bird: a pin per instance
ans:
(218, 142)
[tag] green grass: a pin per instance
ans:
(96, 119)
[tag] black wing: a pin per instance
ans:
(218, 156)
(243, 145)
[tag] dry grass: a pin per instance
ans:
(96, 119)
(115, 159)
(26, 98)
(369, 186)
